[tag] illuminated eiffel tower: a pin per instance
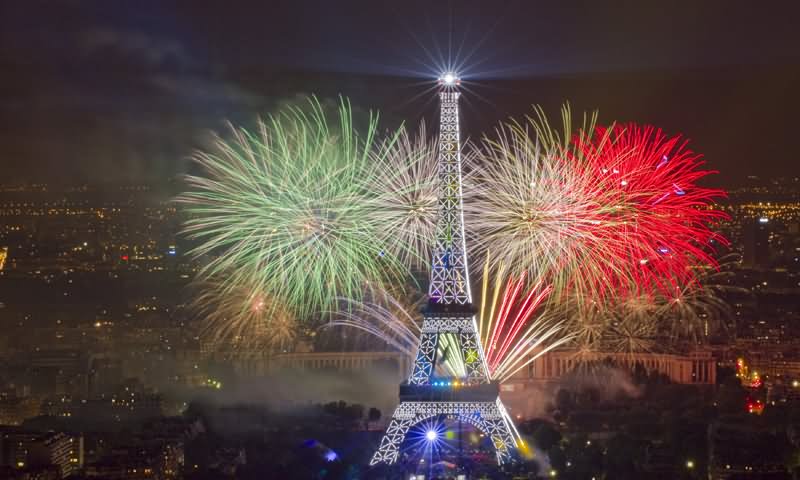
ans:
(469, 396)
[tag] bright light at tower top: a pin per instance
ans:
(449, 79)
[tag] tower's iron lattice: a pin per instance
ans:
(449, 312)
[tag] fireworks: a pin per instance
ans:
(657, 321)
(604, 212)
(407, 197)
(305, 216)
(632, 327)
(289, 210)
(385, 318)
(628, 327)
(510, 336)
(243, 318)
(653, 178)
(699, 311)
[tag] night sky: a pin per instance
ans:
(123, 91)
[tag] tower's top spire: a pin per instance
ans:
(449, 273)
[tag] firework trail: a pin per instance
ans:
(513, 333)
(510, 336)
(603, 213)
(384, 317)
(289, 210)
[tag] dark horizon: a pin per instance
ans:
(97, 93)
(131, 146)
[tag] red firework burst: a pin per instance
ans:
(609, 213)
(659, 226)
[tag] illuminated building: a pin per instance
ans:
(15, 410)
(22, 449)
(397, 363)
(148, 459)
(65, 451)
(15, 445)
(697, 367)
(755, 236)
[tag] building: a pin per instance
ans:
(64, 451)
(396, 363)
(146, 460)
(783, 391)
(697, 367)
(105, 374)
(755, 239)
(60, 371)
(15, 445)
(732, 454)
(15, 410)
(778, 367)
(25, 450)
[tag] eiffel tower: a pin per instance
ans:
(471, 396)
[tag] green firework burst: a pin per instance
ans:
(288, 209)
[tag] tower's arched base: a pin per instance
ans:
(488, 417)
